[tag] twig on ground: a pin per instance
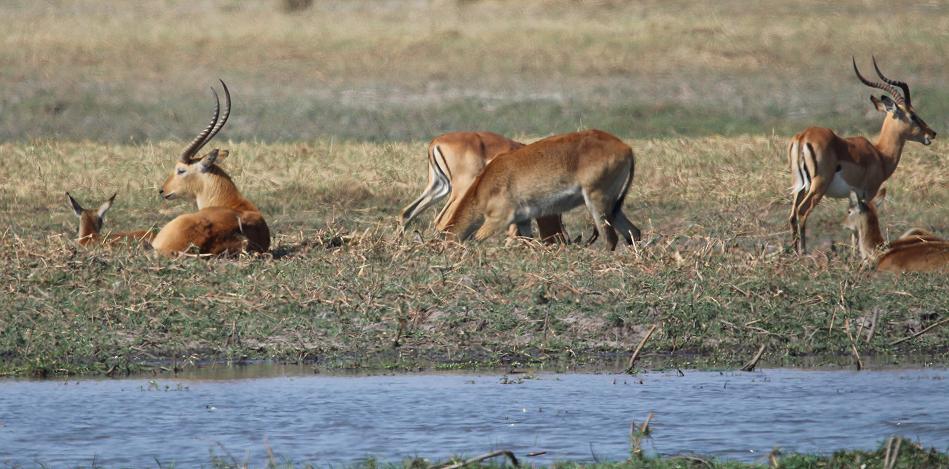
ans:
(493, 454)
(888, 461)
(402, 320)
(639, 348)
(636, 435)
(696, 459)
(873, 325)
(853, 346)
(925, 330)
(593, 453)
(644, 428)
(750, 366)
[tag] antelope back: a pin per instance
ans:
(923, 256)
(543, 173)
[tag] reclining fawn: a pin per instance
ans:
(916, 251)
(90, 226)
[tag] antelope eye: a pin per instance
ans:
(181, 171)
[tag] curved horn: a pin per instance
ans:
(901, 84)
(201, 139)
(875, 84)
(227, 112)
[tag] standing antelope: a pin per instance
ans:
(916, 251)
(823, 164)
(549, 177)
(454, 161)
(90, 226)
(225, 222)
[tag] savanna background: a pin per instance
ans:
(334, 104)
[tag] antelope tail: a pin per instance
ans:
(618, 205)
(442, 171)
(801, 155)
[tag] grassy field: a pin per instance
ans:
(909, 456)
(333, 108)
(411, 69)
(343, 289)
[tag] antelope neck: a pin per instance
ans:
(890, 143)
(220, 191)
(870, 237)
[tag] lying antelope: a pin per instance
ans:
(916, 251)
(226, 222)
(90, 226)
(454, 161)
(823, 164)
(549, 177)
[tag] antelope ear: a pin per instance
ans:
(880, 198)
(75, 205)
(106, 206)
(884, 103)
(215, 156)
(854, 199)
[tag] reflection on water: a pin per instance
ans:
(338, 420)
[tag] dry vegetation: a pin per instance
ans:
(382, 70)
(333, 105)
(344, 290)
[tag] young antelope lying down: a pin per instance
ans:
(90, 226)
(916, 251)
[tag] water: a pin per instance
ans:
(339, 420)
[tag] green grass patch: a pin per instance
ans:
(343, 290)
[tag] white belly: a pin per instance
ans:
(840, 189)
(557, 202)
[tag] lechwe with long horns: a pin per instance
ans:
(90, 226)
(550, 177)
(226, 222)
(454, 161)
(823, 164)
(916, 251)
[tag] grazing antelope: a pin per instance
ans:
(90, 226)
(226, 222)
(916, 251)
(823, 164)
(454, 160)
(549, 177)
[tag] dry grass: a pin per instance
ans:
(383, 70)
(98, 98)
(342, 288)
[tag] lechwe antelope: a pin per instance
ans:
(916, 251)
(225, 222)
(823, 164)
(90, 226)
(454, 161)
(549, 177)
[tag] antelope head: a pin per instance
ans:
(899, 108)
(198, 178)
(857, 212)
(90, 221)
